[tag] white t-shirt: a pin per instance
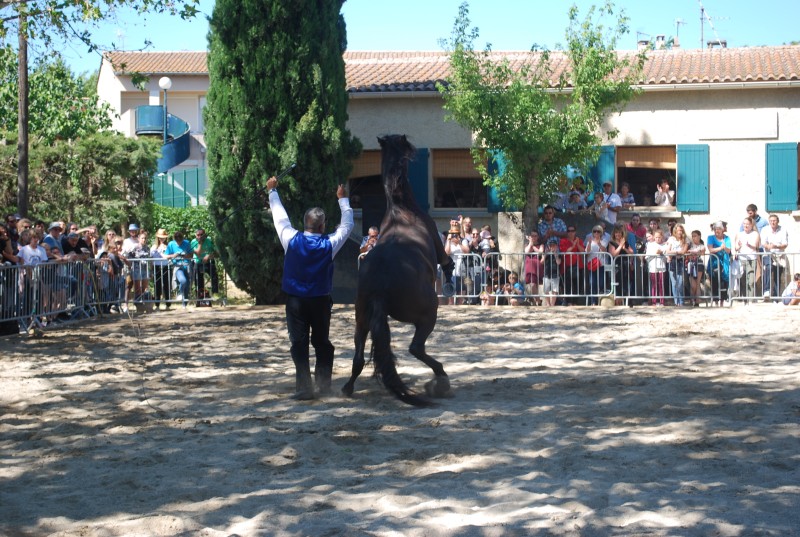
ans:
(33, 256)
(612, 201)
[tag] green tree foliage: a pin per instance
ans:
(102, 179)
(184, 219)
(51, 20)
(61, 105)
(540, 121)
(277, 96)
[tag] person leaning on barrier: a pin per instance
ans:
(7, 256)
(774, 240)
(746, 246)
(204, 254)
(719, 262)
(161, 270)
(179, 251)
(74, 248)
(572, 248)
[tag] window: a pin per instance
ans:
(456, 182)
(365, 180)
(643, 167)
(201, 127)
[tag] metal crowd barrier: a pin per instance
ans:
(54, 292)
(635, 279)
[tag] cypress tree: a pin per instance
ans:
(276, 96)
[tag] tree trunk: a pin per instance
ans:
(22, 120)
(530, 212)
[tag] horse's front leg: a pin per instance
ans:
(360, 340)
(440, 385)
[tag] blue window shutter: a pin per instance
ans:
(605, 169)
(496, 166)
(418, 177)
(693, 177)
(781, 177)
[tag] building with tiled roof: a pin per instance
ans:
(419, 71)
(722, 125)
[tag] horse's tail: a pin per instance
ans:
(384, 359)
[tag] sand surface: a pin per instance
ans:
(563, 421)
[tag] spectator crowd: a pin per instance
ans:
(63, 269)
(628, 262)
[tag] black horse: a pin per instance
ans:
(397, 279)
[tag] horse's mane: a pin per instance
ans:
(397, 152)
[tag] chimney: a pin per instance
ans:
(722, 43)
(661, 41)
(642, 44)
(676, 42)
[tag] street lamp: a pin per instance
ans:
(165, 83)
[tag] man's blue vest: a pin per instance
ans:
(308, 266)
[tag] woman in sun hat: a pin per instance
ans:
(161, 273)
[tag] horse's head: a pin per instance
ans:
(396, 152)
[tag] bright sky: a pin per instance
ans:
(506, 24)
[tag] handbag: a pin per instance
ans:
(593, 264)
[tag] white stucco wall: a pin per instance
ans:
(736, 124)
(421, 118)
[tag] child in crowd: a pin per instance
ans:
(657, 267)
(513, 290)
(551, 264)
(486, 242)
(575, 203)
(696, 267)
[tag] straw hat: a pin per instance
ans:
(162, 233)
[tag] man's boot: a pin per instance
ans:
(304, 389)
(323, 379)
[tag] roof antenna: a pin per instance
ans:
(704, 16)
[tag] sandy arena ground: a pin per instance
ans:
(564, 421)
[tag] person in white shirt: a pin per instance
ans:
(612, 203)
(132, 242)
(774, 240)
(32, 253)
(664, 196)
(746, 247)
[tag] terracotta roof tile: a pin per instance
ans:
(368, 72)
(167, 63)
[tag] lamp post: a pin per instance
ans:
(165, 83)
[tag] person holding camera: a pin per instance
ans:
(307, 282)
(456, 248)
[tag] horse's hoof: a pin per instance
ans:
(448, 289)
(347, 390)
(438, 387)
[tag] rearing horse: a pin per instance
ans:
(397, 279)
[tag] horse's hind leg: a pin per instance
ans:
(440, 385)
(360, 340)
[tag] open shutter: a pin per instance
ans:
(692, 182)
(605, 169)
(781, 177)
(418, 177)
(496, 166)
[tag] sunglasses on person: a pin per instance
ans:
(596, 232)
(571, 230)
